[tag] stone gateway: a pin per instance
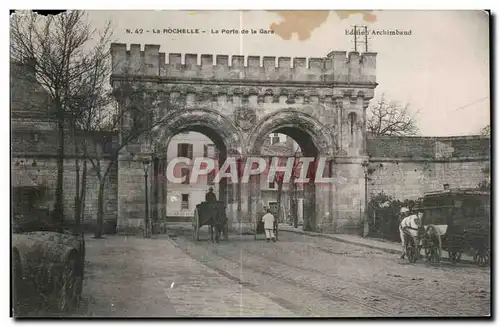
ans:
(319, 102)
(238, 102)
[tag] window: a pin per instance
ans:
(275, 138)
(185, 201)
(185, 150)
(272, 185)
(185, 172)
(209, 151)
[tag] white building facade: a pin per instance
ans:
(182, 198)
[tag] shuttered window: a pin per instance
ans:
(185, 201)
(185, 150)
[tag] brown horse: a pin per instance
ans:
(218, 220)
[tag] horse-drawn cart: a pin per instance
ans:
(212, 215)
(259, 227)
(457, 221)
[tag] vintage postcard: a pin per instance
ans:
(171, 163)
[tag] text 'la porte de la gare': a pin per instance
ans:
(194, 31)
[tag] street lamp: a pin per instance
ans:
(145, 165)
(368, 170)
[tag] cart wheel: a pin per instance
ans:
(196, 225)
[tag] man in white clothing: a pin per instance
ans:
(268, 220)
(411, 224)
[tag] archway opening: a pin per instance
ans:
(178, 198)
(291, 200)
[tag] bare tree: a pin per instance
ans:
(485, 131)
(127, 115)
(389, 118)
(63, 51)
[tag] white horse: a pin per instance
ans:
(409, 225)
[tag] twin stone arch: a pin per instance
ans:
(223, 132)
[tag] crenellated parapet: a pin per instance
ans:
(338, 67)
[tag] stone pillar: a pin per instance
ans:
(155, 194)
(349, 194)
(241, 194)
(131, 195)
(159, 195)
(324, 204)
(309, 206)
(255, 197)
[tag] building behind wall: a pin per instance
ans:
(182, 198)
(34, 148)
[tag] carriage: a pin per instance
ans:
(457, 221)
(259, 226)
(203, 214)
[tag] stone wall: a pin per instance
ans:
(34, 148)
(407, 167)
(44, 173)
(34, 158)
(337, 67)
(410, 180)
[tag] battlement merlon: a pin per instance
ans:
(337, 66)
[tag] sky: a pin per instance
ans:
(441, 69)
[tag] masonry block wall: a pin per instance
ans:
(410, 180)
(407, 167)
(339, 66)
(45, 173)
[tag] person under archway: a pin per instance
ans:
(268, 220)
(211, 200)
(210, 197)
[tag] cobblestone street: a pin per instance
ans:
(297, 276)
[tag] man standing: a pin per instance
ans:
(211, 200)
(268, 220)
(411, 224)
(210, 196)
